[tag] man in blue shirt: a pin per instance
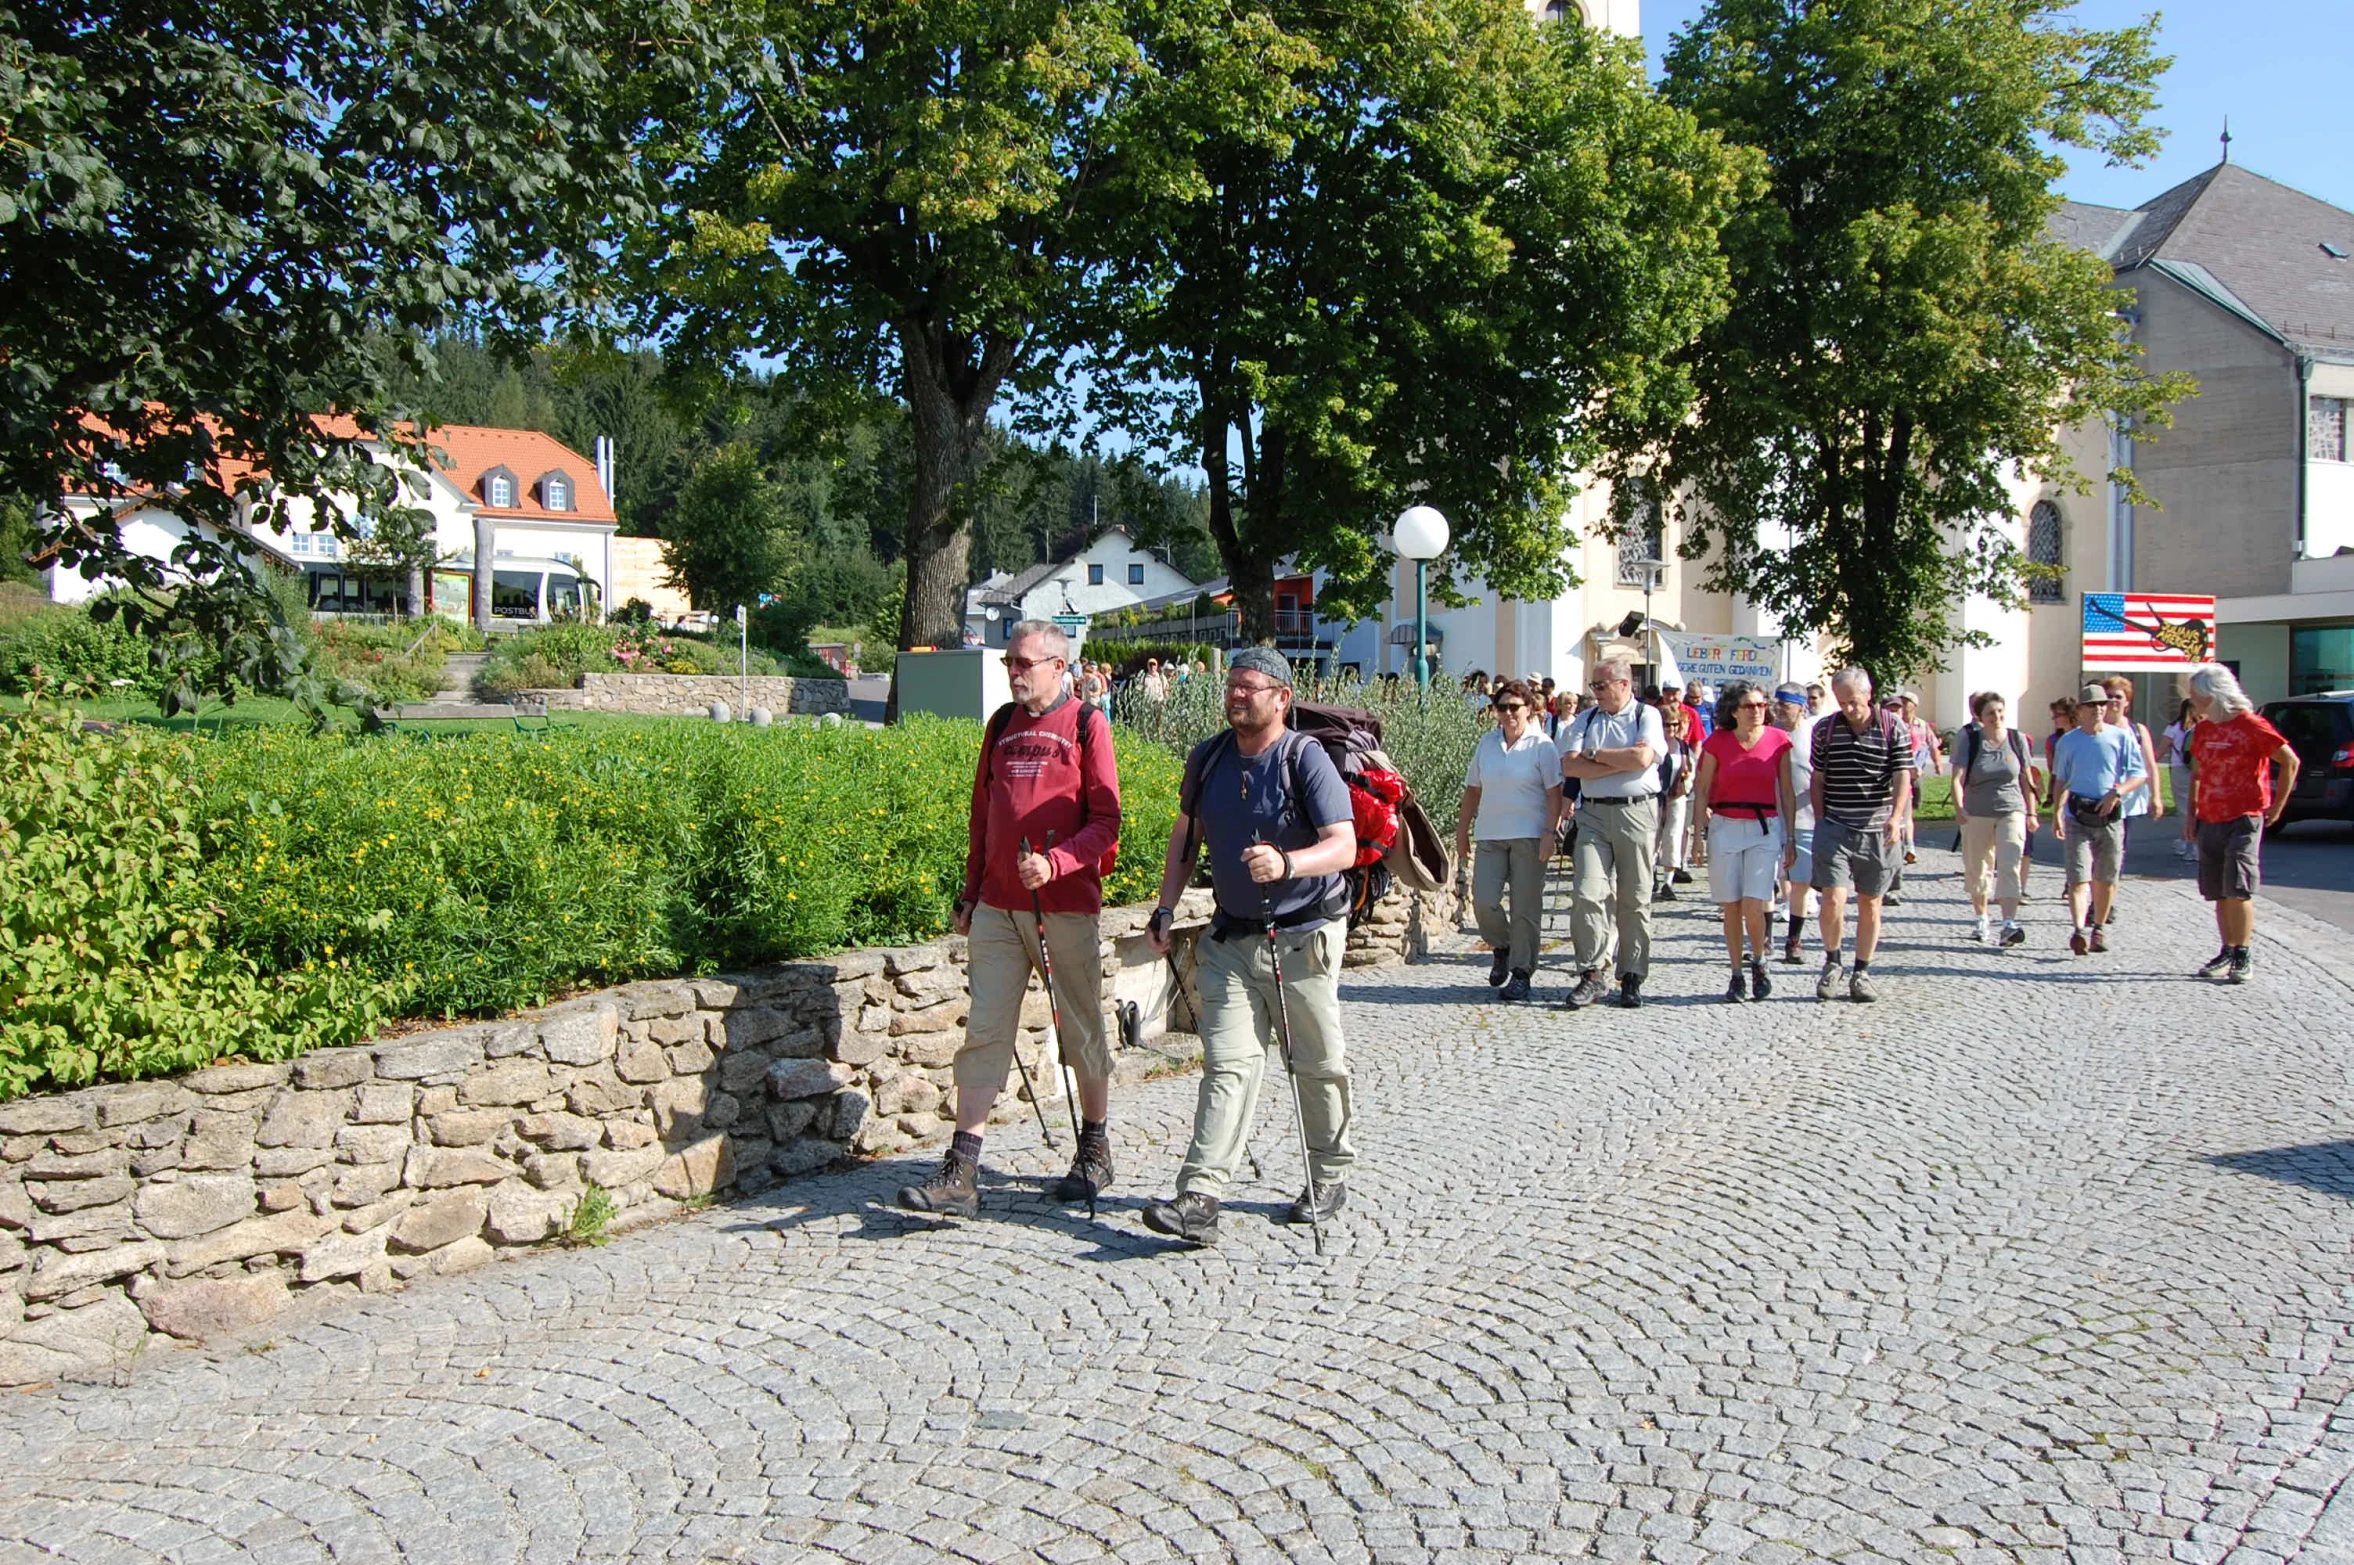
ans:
(1276, 818)
(2095, 768)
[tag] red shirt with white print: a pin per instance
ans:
(1027, 785)
(2231, 766)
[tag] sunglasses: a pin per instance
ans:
(1751, 706)
(1024, 665)
(1511, 706)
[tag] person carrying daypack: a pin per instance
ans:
(1276, 818)
(1045, 824)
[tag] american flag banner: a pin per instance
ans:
(2147, 630)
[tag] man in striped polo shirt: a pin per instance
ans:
(1862, 794)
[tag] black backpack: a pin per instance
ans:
(1351, 739)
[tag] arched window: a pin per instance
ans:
(498, 487)
(555, 491)
(1565, 11)
(2044, 533)
(1641, 547)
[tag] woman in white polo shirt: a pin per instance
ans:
(1512, 789)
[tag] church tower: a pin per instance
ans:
(1624, 17)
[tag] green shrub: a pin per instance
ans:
(113, 955)
(402, 661)
(553, 657)
(64, 646)
(168, 901)
(491, 872)
(1431, 739)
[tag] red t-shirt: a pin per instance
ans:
(1748, 776)
(2231, 766)
(1027, 786)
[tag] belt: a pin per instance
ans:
(1761, 811)
(1613, 798)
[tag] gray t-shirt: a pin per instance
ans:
(1241, 794)
(1992, 784)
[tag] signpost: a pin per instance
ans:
(1075, 627)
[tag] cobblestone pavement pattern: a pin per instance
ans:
(2039, 1258)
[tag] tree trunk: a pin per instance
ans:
(1250, 565)
(950, 382)
(416, 589)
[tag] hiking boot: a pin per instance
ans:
(955, 1192)
(2014, 935)
(1497, 967)
(2242, 964)
(1328, 1196)
(2078, 943)
(1191, 1216)
(1828, 985)
(1790, 952)
(1587, 990)
(1910, 857)
(2099, 938)
(2213, 967)
(1860, 987)
(1892, 900)
(1760, 986)
(1630, 992)
(1737, 990)
(1665, 893)
(1516, 990)
(1681, 877)
(1091, 1170)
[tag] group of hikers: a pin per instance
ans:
(1797, 791)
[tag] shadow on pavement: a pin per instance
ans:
(2327, 1166)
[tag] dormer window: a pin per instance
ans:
(499, 487)
(555, 492)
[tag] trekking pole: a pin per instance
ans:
(1054, 1011)
(1299, 1112)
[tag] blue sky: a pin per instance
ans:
(2283, 70)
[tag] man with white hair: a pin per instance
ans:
(1045, 816)
(2233, 752)
(1611, 751)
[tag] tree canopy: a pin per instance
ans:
(1906, 340)
(909, 200)
(1457, 275)
(219, 221)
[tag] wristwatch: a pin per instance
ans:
(1162, 916)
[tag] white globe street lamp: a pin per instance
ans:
(1421, 536)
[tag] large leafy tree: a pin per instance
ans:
(1905, 338)
(729, 541)
(220, 219)
(1459, 277)
(908, 197)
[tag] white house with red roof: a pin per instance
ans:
(547, 505)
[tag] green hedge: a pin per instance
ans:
(551, 657)
(323, 881)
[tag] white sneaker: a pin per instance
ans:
(1979, 933)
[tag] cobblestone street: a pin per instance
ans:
(2039, 1258)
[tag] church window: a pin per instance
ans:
(2325, 429)
(2044, 534)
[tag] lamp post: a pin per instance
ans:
(1421, 536)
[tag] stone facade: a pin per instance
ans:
(685, 695)
(136, 1213)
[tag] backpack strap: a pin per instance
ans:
(1189, 787)
(989, 737)
(1972, 733)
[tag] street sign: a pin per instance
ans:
(1071, 621)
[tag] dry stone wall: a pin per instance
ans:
(139, 1213)
(683, 695)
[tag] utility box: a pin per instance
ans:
(967, 682)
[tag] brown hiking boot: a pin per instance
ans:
(1091, 1169)
(955, 1192)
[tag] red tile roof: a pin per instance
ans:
(467, 451)
(464, 452)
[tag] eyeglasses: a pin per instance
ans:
(1751, 706)
(1511, 706)
(1250, 690)
(1024, 665)
(1605, 684)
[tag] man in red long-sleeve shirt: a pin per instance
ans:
(1039, 774)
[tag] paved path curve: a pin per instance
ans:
(2038, 1259)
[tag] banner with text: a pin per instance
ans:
(1717, 660)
